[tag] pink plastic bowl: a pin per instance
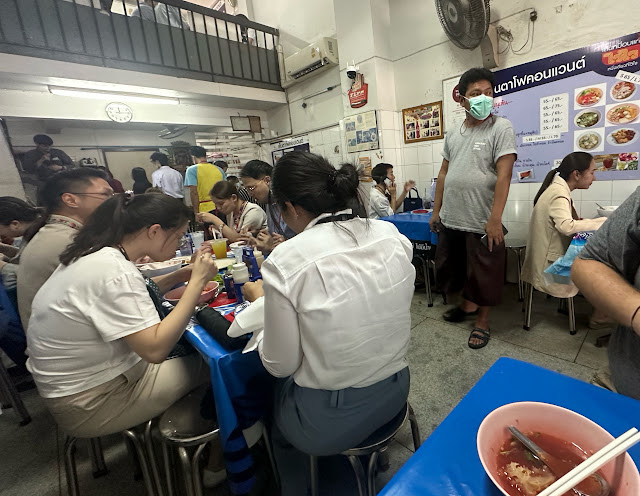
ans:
(529, 416)
(174, 295)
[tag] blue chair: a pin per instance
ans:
(13, 341)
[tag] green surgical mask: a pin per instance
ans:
(480, 106)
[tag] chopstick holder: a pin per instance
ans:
(593, 463)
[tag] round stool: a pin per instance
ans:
(371, 447)
(183, 429)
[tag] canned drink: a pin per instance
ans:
(227, 279)
(186, 248)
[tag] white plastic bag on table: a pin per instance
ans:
(559, 272)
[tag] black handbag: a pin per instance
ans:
(411, 203)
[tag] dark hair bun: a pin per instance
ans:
(310, 181)
(345, 184)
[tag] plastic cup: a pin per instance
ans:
(236, 248)
(197, 238)
(219, 248)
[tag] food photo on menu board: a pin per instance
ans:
(583, 100)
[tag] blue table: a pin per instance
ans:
(437, 469)
(416, 228)
(241, 389)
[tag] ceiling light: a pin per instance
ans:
(123, 97)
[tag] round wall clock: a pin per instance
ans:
(119, 112)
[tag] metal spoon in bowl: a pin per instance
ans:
(599, 206)
(594, 485)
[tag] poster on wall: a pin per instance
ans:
(453, 113)
(361, 132)
(583, 100)
(299, 144)
(422, 123)
(364, 169)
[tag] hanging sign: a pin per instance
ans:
(359, 92)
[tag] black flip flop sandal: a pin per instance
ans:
(480, 334)
(457, 314)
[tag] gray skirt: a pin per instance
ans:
(322, 423)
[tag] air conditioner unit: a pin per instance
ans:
(310, 60)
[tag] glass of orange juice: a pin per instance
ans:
(219, 248)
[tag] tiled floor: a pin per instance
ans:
(443, 369)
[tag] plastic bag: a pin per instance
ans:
(559, 272)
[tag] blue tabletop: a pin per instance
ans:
(438, 469)
(414, 226)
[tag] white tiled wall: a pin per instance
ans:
(520, 202)
(421, 162)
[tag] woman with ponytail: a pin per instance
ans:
(336, 309)
(97, 347)
(554, 221)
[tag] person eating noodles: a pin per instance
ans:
(340, 358)
(96, 344)
(242, 216)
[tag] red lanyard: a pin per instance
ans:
(236, 221)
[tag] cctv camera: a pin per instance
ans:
(352, 71)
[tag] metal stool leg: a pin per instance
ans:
(98, 464)
(272, 460)
(313, 472)
(10, 391)
(415, 429)
(151, 454)
(527, 307)
(142, 458)
(187, 472)
(70, 466)
(371, 474)
(131, 449)
(168, 468)
(572, 316)
(361, 478)
(195, 466)
(520, 283)
(427, 281)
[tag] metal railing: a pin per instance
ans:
(169, 37)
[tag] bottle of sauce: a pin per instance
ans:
(240, 276)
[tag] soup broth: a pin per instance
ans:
(522, 474)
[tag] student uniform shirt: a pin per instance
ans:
(252, 217)
(78, 320)
(378, 205)
(337, 306)
(169, 180)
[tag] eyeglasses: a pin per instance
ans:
(252, 188)
(103, 195)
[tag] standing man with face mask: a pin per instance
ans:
(471, 193)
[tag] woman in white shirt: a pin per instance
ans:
(382, 199)
(554, 221)
(96, 345)
(242, 215)
(337, 323)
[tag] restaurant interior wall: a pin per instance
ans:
(78, 140)
(299, 26)
(423, 57)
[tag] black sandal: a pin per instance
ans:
(457, 314)
(480, 334)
